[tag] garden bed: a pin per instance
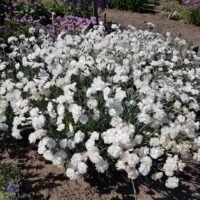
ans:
(123, 104)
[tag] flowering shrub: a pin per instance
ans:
(35, 13)
(127, 100)
(71, 24)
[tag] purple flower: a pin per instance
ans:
(42, 17)
(192, 3)
(58, 19)
(12, 188)
(49, 26)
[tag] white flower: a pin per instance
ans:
(115, 151)
(76, 111)
(144, 118)
(116, 108)
(38, 134)
(150, 25)
(72, 174)
(38, 122)
(2, 90)
(4, 127)
(145, 165)
(102, 166)
(94, 156)
(181, 118)
(61, 127)
(76, 158)
(48, 155)
(71, 129)
(83, 119)
(70, 144)
(96, 114)
(50, 143)
(143, 151)
(15, 133)
(154, 142)
(157, 176)
(168, 34)
(170, 165)
(156, 152)
(82, 168)
(133, 174)
(63, 143)
(114, 26)
(106, 92)
(138, 139)
(60, 109)
(12, 39)
(172, 182)
(31, 30)
(79, 137)
(133, 159)
(22, 36)
(97, 85)
(45, 143)
(58, 158)
(94, 136)
(3, 45)
(92, 103)
(2, 66)
(34, 112)
(120, 94)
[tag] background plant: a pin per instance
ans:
(195, 16)
(133, 5)
(10, 182)
(185, 10)
(6, 8)
(13, 27)
(194, 9)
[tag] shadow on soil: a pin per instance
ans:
(189, 188)
(32, 184)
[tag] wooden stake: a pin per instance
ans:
(95, 10)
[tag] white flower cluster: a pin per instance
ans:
(128, 99)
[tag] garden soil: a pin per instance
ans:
(42, 181)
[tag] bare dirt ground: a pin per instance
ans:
(42, 181)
